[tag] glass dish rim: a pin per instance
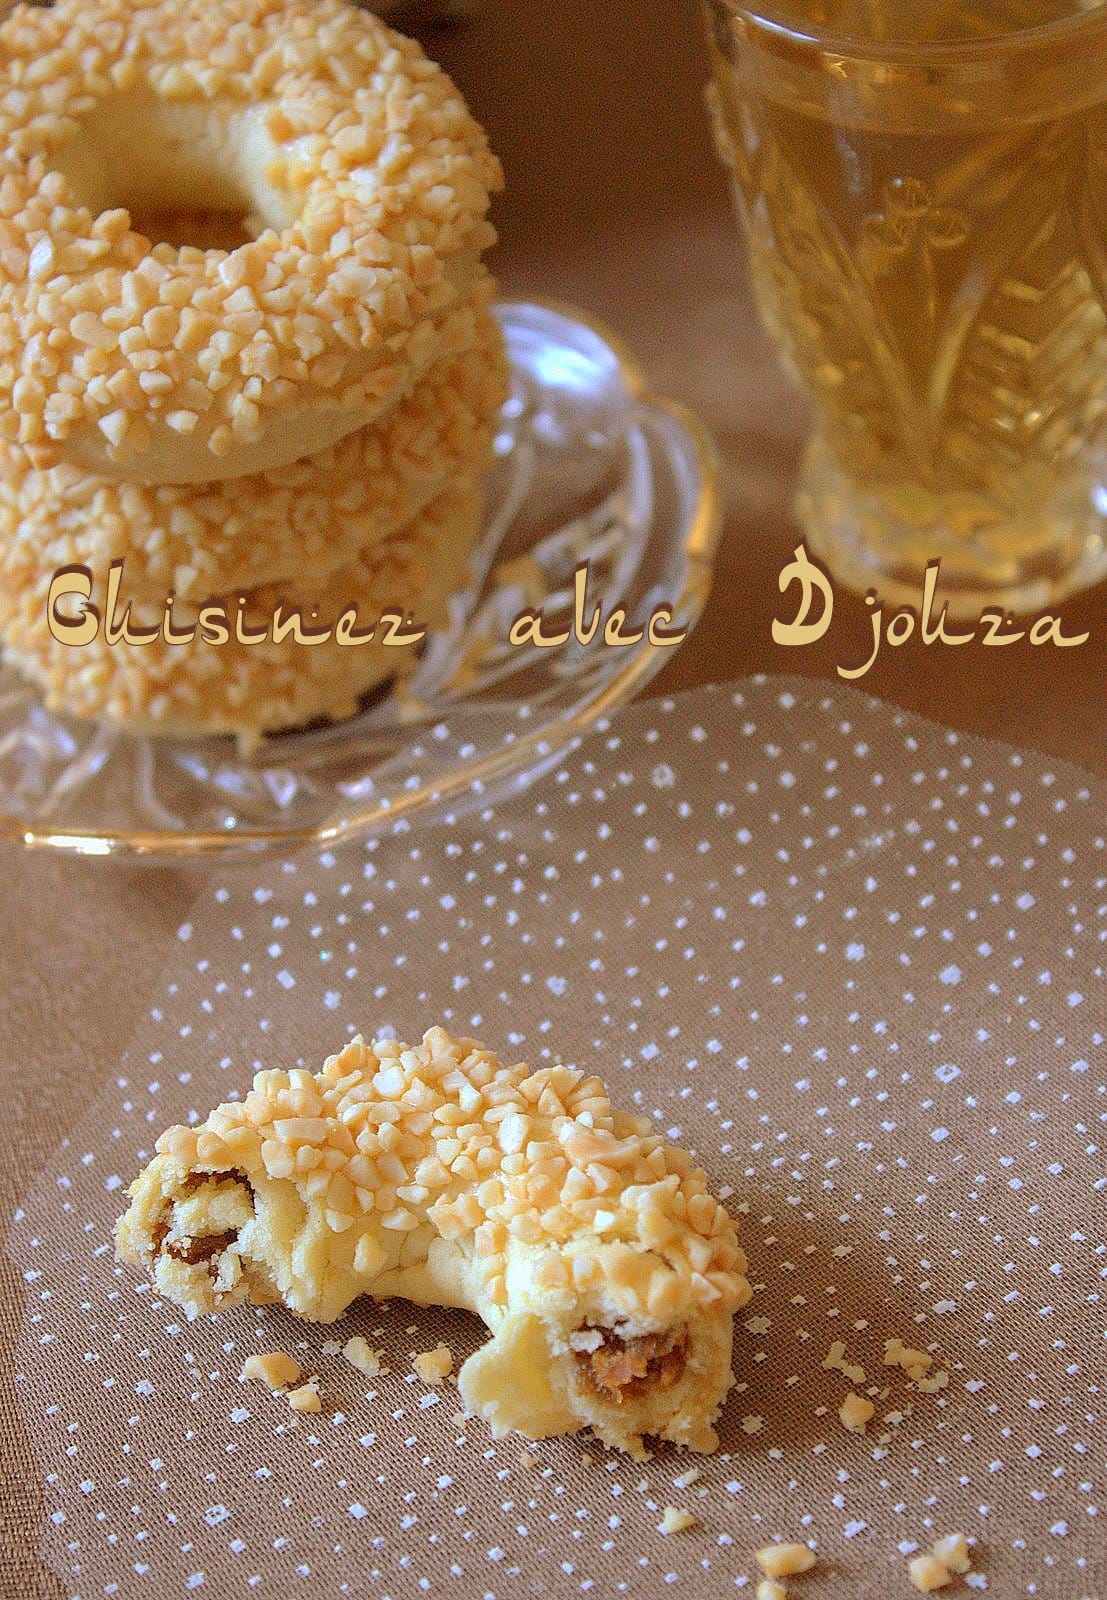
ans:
(776, 28)
(699, 543)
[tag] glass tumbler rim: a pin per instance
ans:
(776, 27)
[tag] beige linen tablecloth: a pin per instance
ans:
(614, 202)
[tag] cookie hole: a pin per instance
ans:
(186, 173)
(201, 229)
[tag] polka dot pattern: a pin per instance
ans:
(855, 962)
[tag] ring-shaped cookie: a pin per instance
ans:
(301, 521)
(355, 162)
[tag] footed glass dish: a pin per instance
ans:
(590, 468)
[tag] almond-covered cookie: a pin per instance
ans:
(594, 1251)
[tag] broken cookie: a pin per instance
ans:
(594, 1252)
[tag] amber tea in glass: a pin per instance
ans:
(924, 190)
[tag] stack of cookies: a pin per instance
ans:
(238, 481)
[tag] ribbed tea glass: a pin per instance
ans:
(924, 190)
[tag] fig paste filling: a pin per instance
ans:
(205, 1248)
(625, 1369)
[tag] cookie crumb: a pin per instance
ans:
(273, 1368)
(937, 1381)
(433, 1366)
(306, 1398)
(769, 1589)
(674, 1520)
(785, 1560)
(360, 1354)
(527, 1461)
(953, 1552)
(835, 1361)
(916, 1363)
(856, 1413)
(687, 1479)
(928, 1573)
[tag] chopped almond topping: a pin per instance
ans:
(238, 688)
(305, 1398)
(834, 1361)
(336, 1134)
(856, 1412)
(916, 1363)
(769, 1589)
(434, 1365)
(687, 1479)
(330, 308)
(360, 1354)
(313, 516)
(675, 1521)
(953, 1552)
(928, 1573)
(785, 1560)
(273, 1368)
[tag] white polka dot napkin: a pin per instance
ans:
(854, 961)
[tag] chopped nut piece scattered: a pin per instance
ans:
(434, 1365)
(856, 1412)
(360, 1354)
(928, 1573)
(306, 1398)
(937, 1381)
(687, 1479)
(953, 1552)
(785, 1560)
(916, 1363)
(273, 1368)
(835, 1361)
(675, 1521)
(769, 1589)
